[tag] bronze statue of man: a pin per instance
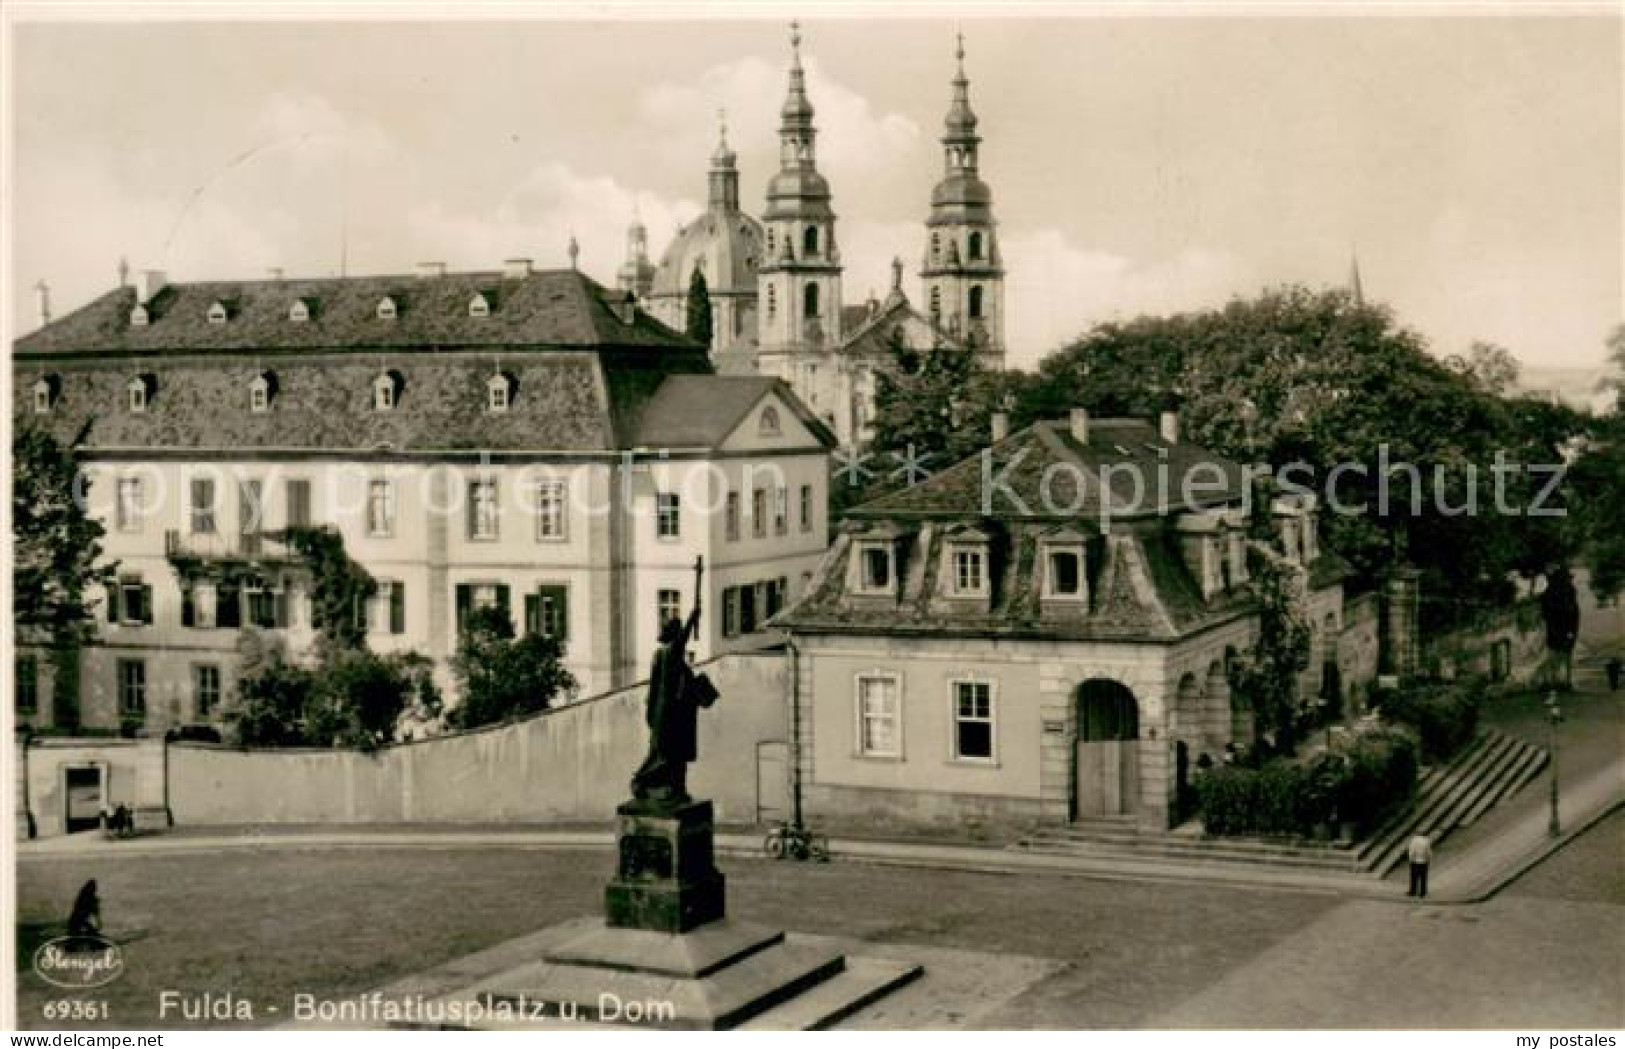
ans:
(676, 693)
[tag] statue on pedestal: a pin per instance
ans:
(676, 694)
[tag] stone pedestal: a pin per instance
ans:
(666, 955)
(666, 878)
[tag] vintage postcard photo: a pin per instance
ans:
(851, 517)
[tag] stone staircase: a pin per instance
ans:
(1449, 797)
(1120, 840)
(1493, 767)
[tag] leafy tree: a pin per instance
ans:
(359, 697)
(271, 697)
(1487, 366)
(1597, 489)
(57, 544)
(699, 326)
(1267, 676)
(1324, 379)
(349, 697)
(503, 677)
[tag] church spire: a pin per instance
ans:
(1355, 288)
(796, 132)
(960, 137)
(963, 274)
(724, 177)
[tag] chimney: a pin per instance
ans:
(516, 269)
(1079, 424)
(431, 269)
(1001, 426)
(627, 309)
(1168, 427)
(148, 283)
(274, 272)
(42, 291)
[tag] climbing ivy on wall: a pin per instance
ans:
(339, 587)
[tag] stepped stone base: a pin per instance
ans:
(715, 977)
(665, 956)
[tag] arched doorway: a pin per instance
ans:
(1106, 760)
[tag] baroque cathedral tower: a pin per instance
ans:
(799, 288)
(963, 273)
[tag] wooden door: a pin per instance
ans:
(1108, 778)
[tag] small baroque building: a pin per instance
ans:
(520, 438)
(1040, 633)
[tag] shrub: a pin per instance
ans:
(1444, 714)
(1360, 783)
(1379, 776)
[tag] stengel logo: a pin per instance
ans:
(79, 962)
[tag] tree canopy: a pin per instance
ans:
(1328, 381)
(698, 326)
(57, 543)
(502, 676)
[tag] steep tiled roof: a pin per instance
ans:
(580, 375)
(1124, 470)
(557, 308)
(1141, 591)
(1140, 587)
(563, 401)
(700, 411)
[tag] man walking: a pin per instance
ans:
(1420, 851)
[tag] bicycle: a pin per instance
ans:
(795, 842)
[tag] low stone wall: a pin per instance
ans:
(1506, 645)
(573, 763)
(109, 772)
(1359, 646)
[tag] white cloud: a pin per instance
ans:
(537, 218)
(1056, 289)
(853, 136)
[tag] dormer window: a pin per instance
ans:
(386, 391)
(479, 306)
(45, 393)
(387, 310)
(1063, 574)
(876, 571)
(768, 425)
(969, 572)
(299, 312)
(218, 314)
(140, 317)
(260, 392)
(139, 392)
(499, 392)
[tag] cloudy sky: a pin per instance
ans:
(1138, 163)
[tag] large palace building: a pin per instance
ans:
(523, 438)
(774, 282)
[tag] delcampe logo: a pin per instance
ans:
(79, 963)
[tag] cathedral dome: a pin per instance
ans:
(725, 246)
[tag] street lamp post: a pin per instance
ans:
(1554, 716)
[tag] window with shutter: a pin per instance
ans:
(188, 607)
(228, 607)
(553, 613)
(747, 609)
(397, 608)
(114, 613)
(298, 503)
(465, 605)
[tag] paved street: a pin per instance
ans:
(1546, 953)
